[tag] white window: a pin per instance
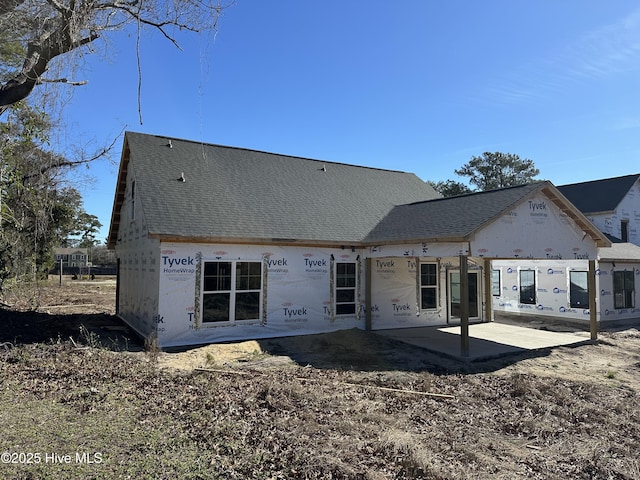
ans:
(345, 288)
(232, 291)
(428, 286)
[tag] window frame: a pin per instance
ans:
(576, 304)
(340, 304)
(432, 287)
(529, 301)
(496, 289)
(626, 295)
(624, 230)
(232, 286)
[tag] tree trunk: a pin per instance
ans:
(55, 40)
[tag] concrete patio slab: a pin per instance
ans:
(486, 340)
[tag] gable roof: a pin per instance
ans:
(458, 218)
(234, 194)
(599, 195)
(70, 250)
(246, 196)
(451, 218)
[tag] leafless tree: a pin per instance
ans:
(41, 31)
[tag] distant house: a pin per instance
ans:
(217, 243)
(71, 257)
(612, 204)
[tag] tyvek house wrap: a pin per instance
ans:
(298, 288)
(535, 228)
(296, 293)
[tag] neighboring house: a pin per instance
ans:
(612, 204)
(71, 257)
(218, 243)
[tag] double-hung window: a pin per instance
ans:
(528, 287)
(345, 288)
(428, 286)
(232, 291)
(623, 289)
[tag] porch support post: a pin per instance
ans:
(464, 306)
(367, 294)
(488, 294)
(593, 314)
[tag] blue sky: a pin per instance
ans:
(418, 86)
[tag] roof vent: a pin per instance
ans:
(170, 145)
(324, 168)
(181, 177)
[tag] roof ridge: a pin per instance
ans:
(243, 194)
(481, 192)
(600, 180)
(244, 149)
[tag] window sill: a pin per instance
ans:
(230, 323)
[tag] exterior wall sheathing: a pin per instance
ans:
(138, 274)
(297, 290)
(161, 283)
(628, 211)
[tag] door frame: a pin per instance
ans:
(477, 315)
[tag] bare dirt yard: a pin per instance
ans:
(80, 397)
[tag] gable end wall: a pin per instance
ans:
(138, 256)
(628, 209)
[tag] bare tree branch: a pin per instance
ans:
(55, 39)
(63, 80)
(51, 28)
(62, 162)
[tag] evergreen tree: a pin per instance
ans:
(498, 170)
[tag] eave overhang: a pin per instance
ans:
(566, 207)
(298, 242)
(119, 195)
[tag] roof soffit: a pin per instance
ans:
(121, 184)
(565, 206)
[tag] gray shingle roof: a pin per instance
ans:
(449, 218)
(233, 194)
(246, 194)
(599, 195)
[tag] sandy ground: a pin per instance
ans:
(60, 310)
(613, 361)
